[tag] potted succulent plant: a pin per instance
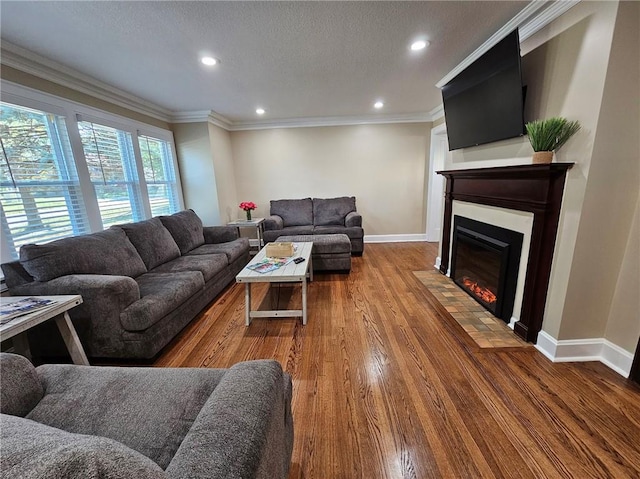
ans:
(547, 136)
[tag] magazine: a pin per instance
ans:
(268, 264)
(13, 309)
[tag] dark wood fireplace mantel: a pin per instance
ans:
(534, 188)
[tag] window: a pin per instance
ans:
(112, 169)
(160, 175)
(67, 169)
(39, 188)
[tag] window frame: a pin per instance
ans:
(73, 112)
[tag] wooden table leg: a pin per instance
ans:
(71, 339)
(304, 300)
(21, 345)
(247, 304)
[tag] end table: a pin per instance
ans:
(257, 223)
(16, 328)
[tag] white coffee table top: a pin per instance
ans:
(287, 273)
(22, 323)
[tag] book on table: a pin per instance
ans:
(13, 309)
(268, 264)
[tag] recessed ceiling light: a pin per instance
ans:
(209, 61)
(378, 104)
(419, 45)
(260, 111)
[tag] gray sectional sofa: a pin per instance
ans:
(73, 422)
(141, 283)
(316, 216)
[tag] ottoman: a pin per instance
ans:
(330, 252)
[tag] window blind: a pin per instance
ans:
(160, 175)
(112, 169)
(40, 192)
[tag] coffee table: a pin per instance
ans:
(290, 273)
(58, 310)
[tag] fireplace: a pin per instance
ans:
(485, 262)
(533, 188)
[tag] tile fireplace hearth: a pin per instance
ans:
(534, 188)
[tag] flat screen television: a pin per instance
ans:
(484, 103)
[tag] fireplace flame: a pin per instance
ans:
(483, 293)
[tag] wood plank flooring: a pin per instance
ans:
(386, 387)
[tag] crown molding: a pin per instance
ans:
(530, 20)
(208, 116)
(41, 67)
(437, 112)
(215, 118)
(331, 121)
(538, 22)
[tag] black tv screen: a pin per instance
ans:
(484, 103)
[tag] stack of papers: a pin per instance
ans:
(13, 309)
(269, 264)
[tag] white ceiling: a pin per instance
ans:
(295, 59)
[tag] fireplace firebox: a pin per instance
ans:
(485, 262)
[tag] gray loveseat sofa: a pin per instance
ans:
(141, 283)
(316, 216)
(72, 422)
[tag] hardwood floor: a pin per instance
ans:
(387, 387)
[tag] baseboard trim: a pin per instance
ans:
(394, 238)
(438, 262)
(581, 350)
(407, 238)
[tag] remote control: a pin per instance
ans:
(298, 260)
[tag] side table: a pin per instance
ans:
(257, 223)
(59, 311)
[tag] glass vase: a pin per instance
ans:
(248, 215)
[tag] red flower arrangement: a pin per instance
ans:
(247, 206)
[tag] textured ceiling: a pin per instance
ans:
(295, 59)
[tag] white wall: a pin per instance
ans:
(611, 196)
(576, 68)
(197, 173)
(383, 166)
(222, 157)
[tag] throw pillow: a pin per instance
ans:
(293, 212)
(186, 229)
(153, 241)
(106, 252)
(332, 211)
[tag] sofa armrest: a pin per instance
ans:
(273, 222)
(220, 234)
(104, 297)
(245, 428)
(353, 218)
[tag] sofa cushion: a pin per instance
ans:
(291, 230)
(153, 241)
(323, 244)
(233, 249)
(106, 252)
(209, 265)
(149, 410)
(332, 211)
(354, 232)
(21, 388)
(293, 212)
(160, 294)
(186, 229)
(31, 450)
